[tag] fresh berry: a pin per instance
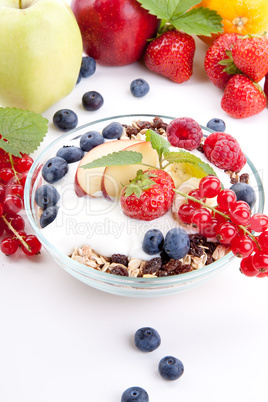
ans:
(170, 368)
(70, 153)
(226, 198)
(46, 196)
(244, 192)
(137, 394)
(242, 97)
(240, 213)
(171, 55)
(185, 213)
(223, 151)
(54, 169)
(24, 163)
(148, 196)
(147, 339)
(258, 222)
(113, 131)
(79, 78)
(210, 229)
(12, 204)
(2, 192)
(250, 55)
(65, 119)
(16, 189)
(153, 241)
(88, 66)
(196, 194)
(177, 243)
(216, 125)
(263, 241)
(184, 132)
(215, 54)
(201, 217)
(48, 216)
(17, 223)
(9, 246)
(139, 87)
(265, 87)
(6, 174)
(92, 100)
(33, 244)
(90, 140)
(247, 268)
(209, 186)
(242, 246)
(226, 232)
(260, 261)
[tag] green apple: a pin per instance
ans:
(40, 53)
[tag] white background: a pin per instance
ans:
(61, 340)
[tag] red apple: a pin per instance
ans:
(114, 32)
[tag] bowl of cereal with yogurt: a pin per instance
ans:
(112, 202)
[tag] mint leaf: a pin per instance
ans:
(162, 9)
(23, 130)
(157, 141)
(119, 158)
(187, 157)
(198, 21)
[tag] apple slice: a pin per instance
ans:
(88, 181)
(115, 177)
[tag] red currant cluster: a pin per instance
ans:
(13, 172)
(231, 222)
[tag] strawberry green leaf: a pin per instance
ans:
(119, 158)
(157, 141)
(198, 21)
(187, 157)
(141, 182)
(229, 64)
(22, 130)
(183, 6)
(162, 9)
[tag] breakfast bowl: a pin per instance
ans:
(67, 233)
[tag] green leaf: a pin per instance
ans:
(183, 6)
(162, 9)
(187, 157)
(199, 21)
(119, 158)
(229, 64)
(157, 141)
(23, 130)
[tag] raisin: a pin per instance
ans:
(130, 130)
(183, 269)
(119, 270)
(171, 265)
(244, 178)
(120, 259)
(152, 266)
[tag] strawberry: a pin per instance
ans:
(242, 97)
(216, 53)
(171, 54)
(148, 196)
(250, 55)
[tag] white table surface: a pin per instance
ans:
(61, 340)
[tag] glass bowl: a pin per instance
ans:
(120, 285)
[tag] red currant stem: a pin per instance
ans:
(16, 233)
(12, 166)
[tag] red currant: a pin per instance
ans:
(240, 213)
(1, 209)
(242, 246)
(24, 163)
(22, 234)
(6, 174)
(258, 222)
(226, 198)
(16, 221)
(220, 218)
(9, 246)
(209, 186)
(201, 217)
(247, 268)
(196, 194)
(16, 189)
(226, 232)
(33, 243)
(2, 227)
(209, 230)
(185, 213)
(2, 193)
(261, 275)
(263, 241)
(260, 261)
(12, 204)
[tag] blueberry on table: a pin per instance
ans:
(170, 368)
(48, 216)
(139, 87)
(176, 243)
(88, 66)
(70, 153)
(153, 241)
(54, 169)
(65, 119)
(244, 192)
(113, 131)
(79, 78)
(216, 125)
(90, 140)
(147, 339)
(137, 394)
(92, 100)
(46, 196)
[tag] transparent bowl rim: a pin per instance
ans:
(103, 276)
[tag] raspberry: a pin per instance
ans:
(224, 152)
(184, 132)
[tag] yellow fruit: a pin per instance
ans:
(180, 172)
(240, 16)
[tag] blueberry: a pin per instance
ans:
(147, 339)
(88, 66)
(46, 196)
(177, 243)
(54, 169)
(48, 216)
(137, 394)
(79, 78)
(170, 368)
(153, 241)
(92, 101)
(70, 153)
(139, 87)
(65, 119)
(244, 192)
(216, 125)
(112, 131)
(90, 140)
